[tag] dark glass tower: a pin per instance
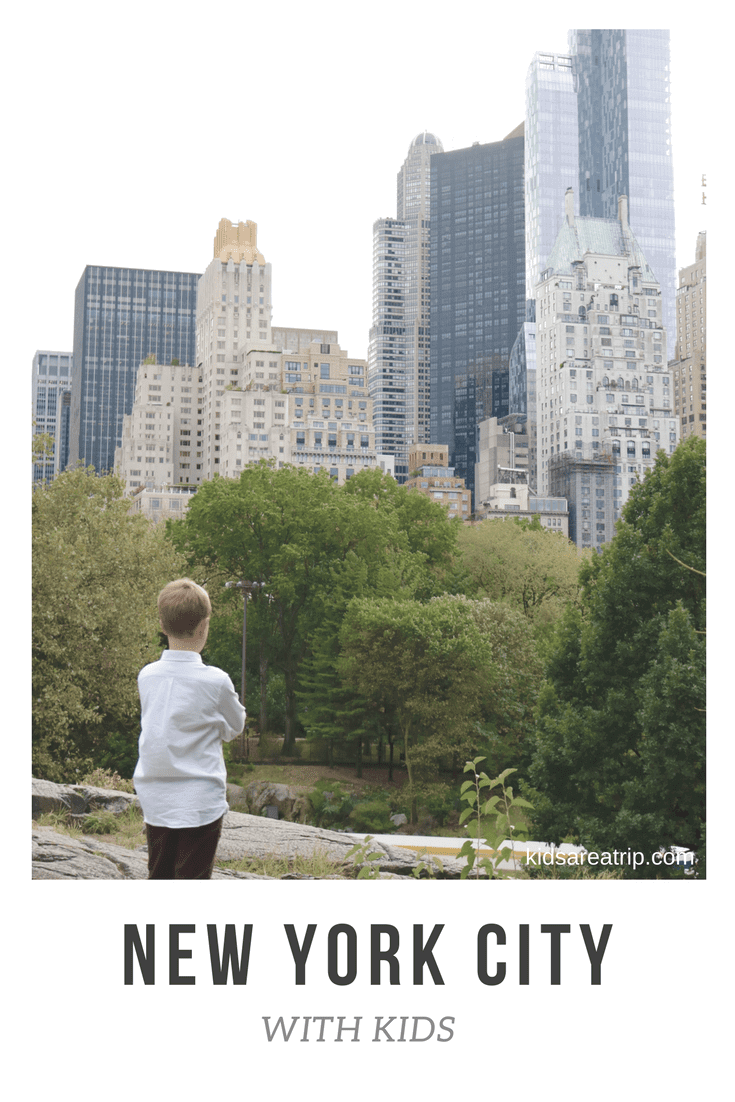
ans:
(122, 316)
(477, 289)
(622, 81)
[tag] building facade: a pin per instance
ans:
(122, 316)
(551, 165)
(507, 500)
(604, 396)
(689, 367)
(477, 289)
(317, 414)
(622, 81)
(413, 207)
(398, 354)
(502, 456)
(551, 156)
(52, 375)
(522, 386)
(389, 374)
(432, 476)
(249, 397)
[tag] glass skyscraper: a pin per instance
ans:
(121, 317)
(551, 156)
(621, 78)
(478, 289)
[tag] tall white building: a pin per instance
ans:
(287, 395)
(398, 353)
(604, 396)
(234, 344)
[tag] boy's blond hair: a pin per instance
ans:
(182, 606)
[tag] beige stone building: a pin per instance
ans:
(331, 421)
(287, 395)
(431, 475)
(689, 368)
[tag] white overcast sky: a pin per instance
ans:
(143, 127)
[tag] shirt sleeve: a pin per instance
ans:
(232, 710)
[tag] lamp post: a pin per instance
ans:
(248, 588)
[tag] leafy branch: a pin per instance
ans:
(500, 806)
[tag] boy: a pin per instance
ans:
(187, 711)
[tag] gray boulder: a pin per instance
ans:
(79, 799)
(291, 801)
(255, 836)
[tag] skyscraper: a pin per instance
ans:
(398, 355)
(51, 381)
(550, 167)
(621, 78)
(689, 367)
(388, 365)
(604, 399)
(413, 209)
(256, 392)
(551, 156)
(478, 289)
(122, 316)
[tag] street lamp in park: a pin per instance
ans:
(248, 588)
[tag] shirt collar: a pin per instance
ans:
(182, 656)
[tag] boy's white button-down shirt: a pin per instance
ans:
(187, 711)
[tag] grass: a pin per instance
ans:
(123, 829)
(317, 865)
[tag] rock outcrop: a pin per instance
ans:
(58, 856)
(291, 802)
(78, 799)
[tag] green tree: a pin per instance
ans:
(294, 531)
(621, 735)
(333, 710)
(508, 710)
(97, 570)
(42, 446)
(428, 668)
(519, 562)
(430, 535)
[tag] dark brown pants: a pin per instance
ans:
(186, 854)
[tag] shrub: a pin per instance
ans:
(105, 778)
(372, 816)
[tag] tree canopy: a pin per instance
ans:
(97, 570)
(450, 675)
(519, 562)
(310, 542)
(620, 761)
